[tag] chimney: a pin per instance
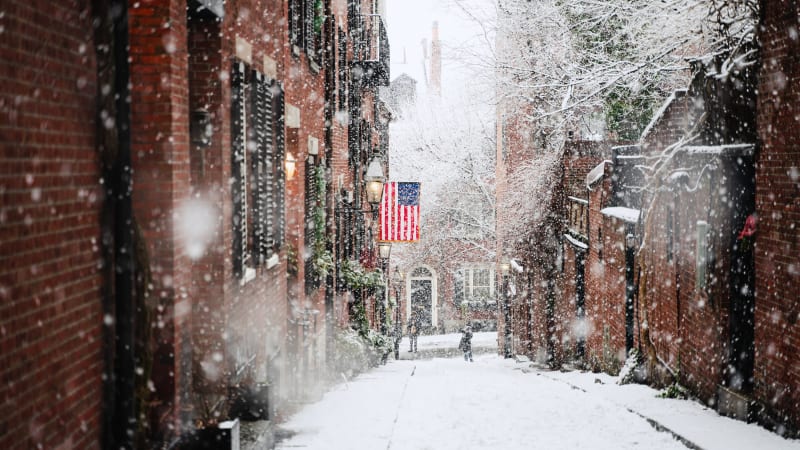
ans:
(436, 60)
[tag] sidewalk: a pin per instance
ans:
(694, 424)
(446, 346)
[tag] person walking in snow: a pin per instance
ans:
(413, 333)
(466, 343)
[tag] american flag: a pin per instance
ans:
(399, 212)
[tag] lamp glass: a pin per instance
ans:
(384, 249)
(504, 268)
(291, 166)
(374, 191)
(374, 179)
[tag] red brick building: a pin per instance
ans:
(51, 229)
(670, 260)
(777, 332)
(160, 175)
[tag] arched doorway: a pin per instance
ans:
(422, 296)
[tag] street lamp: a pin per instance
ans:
(504, 271)
(384, 249)
(374, 179)
(290, 165)
(397, 280)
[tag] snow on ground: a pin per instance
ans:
(691, 420)
(439, 341)
(497, 403)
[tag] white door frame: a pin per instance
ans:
(434, 292)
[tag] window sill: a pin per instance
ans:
(273, 261)
(248, 276)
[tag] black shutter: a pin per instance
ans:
(294, 22)
(311, 279)
(261, 167)
(342, 70)
(309, 36)
(458, 287)
(310, 199)
(238, 156)
(279, 185)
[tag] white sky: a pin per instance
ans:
(411, 21)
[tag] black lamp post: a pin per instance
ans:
(397, 280)
(506, 305)
(384, 250)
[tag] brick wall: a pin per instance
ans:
(161, 178)
(688, 325)
(50, 199)
(579, 158)
(777, 373)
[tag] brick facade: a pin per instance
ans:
(694, 273)
(51, 316)
(777, 331)
(203, 328)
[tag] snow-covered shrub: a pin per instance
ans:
(352, 353)
(674, 390)
(381, 344)
(627, 373)
(355, 354)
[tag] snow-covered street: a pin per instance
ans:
(447, 403)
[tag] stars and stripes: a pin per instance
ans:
(399, 212)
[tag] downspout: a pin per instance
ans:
(113, 142)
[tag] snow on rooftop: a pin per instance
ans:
(716, 149)
(576, 242)
(677, 175)
(596, 173)
(629, 215)
(657, 116)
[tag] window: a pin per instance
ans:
(701, 255)
(305, 26)
(257, 189)
(474, 284)
(481, 283)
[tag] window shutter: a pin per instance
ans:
(701, 254)
(458, 287)
(279, 185)
(308, 29)
(262, 242)
(294, 21)
(310, 199)
(310, 206)
(238, 188)
(342, 70)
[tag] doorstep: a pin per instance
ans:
(733, 404)
(257, 435)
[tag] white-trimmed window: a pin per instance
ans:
(474, 284)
